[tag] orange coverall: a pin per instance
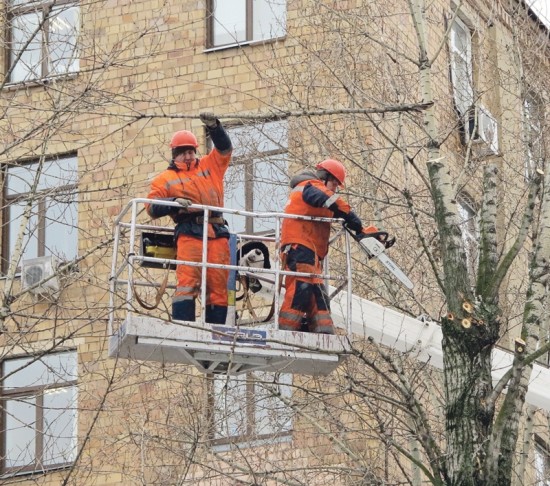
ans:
(304, 244)
(202, 183)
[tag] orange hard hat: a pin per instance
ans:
(184, 138)
(334, 168)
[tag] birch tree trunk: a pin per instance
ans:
(471, 327)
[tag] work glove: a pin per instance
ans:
(209, 119)
(184, 203)
(381, 236)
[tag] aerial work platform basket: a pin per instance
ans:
(250, 339)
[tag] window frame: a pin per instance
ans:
(467, 58)
(249, 27)
(44, 8)
(250, 437)
(8, 200)
(36, 392)
(541, 457)
(533, 133)
(249, 160)
(469, 230)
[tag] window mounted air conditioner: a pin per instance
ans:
(35, 270)
(483, 132)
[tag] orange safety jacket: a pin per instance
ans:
(202, 183)
(310, 197)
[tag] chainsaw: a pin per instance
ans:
(374, 245)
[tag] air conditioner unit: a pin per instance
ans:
(483, 131)
(35, 270)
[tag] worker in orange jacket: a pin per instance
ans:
(189, 180)
(304, 244)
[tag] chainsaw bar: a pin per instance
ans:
(374, 249)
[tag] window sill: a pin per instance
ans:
(35, 473)
(245, 444)
(251, 43)
(13, 86)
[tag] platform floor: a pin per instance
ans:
(229, 350)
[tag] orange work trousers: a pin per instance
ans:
(189, 278)
(306, 304)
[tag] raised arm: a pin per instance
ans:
(217, 133)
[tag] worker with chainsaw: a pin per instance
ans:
(190, 180)
(304, 245)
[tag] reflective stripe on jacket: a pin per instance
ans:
(202, 184)
(311, 197)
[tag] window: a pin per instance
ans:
(468, 228)
(240, 21)
(542, 463)
(39, 412)
(533, 111)
(43, 37)
(247, 408)
(257, 179)
(477, 124)
(48, 190)
(461, 66)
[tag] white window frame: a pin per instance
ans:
(533, 115)
(53, 227)
(39, 412)
(541, 463)
(236, 22)
(461, 55)
(246, 409)
(257, 179)
(469, 230)
(43, 40)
